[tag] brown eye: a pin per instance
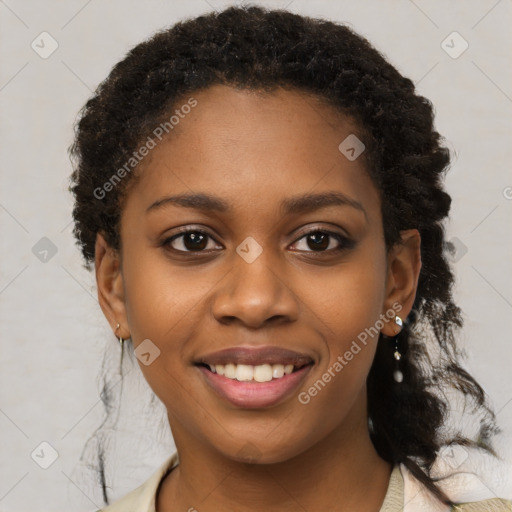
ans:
(189, 241)
(325, 241)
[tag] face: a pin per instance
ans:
(277, 265)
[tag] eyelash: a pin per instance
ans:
(345, 243)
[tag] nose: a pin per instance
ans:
(255, 294)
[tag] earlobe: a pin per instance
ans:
(110, 284)
(404, 265)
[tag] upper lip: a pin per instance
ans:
(256, 356)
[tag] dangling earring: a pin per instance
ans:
(121, 340)
(397, 374)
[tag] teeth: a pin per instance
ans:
(277, 371)
(229, 371)
(263, 373)
(246, 372)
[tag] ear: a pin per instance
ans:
(404, 265)
(110, 284)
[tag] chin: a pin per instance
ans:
(250, 452)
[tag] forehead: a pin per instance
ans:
(254, 147)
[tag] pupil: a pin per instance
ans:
(196, 240)
(319, 238)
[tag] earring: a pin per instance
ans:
(397, 374)
(121, 340)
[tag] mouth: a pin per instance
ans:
(254, 377)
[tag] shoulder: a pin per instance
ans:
(142, 499)
(491, 505)
(470, 477)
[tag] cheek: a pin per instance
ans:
(349, 308)
(349, 300)
(159, 298)
(165, 305)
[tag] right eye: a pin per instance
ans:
(189, 240)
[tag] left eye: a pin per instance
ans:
(321, 241)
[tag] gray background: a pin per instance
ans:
(52, 331)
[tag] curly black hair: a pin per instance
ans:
(256, 48)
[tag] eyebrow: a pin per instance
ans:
(298, 204)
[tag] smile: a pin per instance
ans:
(254, 377)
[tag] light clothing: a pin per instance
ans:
(404, 493)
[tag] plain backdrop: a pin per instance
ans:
(52, 332)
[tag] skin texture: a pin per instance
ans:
(254, 150)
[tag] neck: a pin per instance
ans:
(342, 472)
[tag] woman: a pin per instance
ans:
(261, 196)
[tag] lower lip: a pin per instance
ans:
(251, 394)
